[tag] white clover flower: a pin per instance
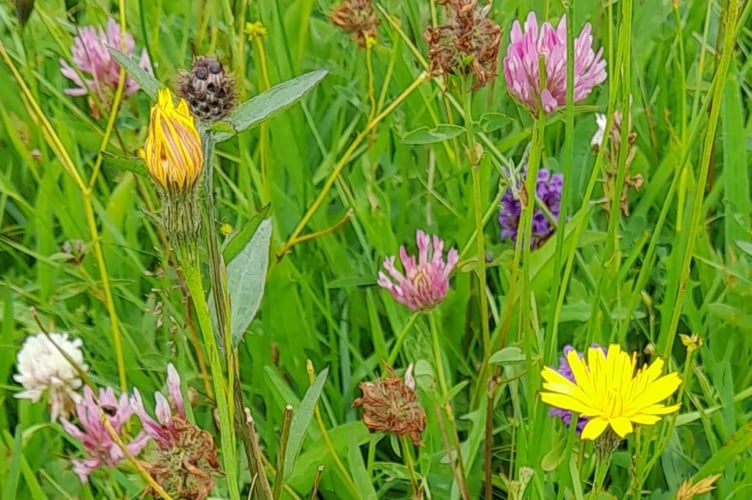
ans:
(43, 368)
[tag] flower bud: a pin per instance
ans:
(174, 158)
(173, 147)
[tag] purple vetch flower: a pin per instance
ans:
(424, 285)
(566, 371)
(522, 67)
(91, 56)
(162, 430)
(97, 442)
(547, 190)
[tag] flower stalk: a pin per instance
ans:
(192, 276)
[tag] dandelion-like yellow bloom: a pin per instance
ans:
(172, 151)
(608, 392)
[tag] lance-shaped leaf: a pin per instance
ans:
(148, 83)
(246, 276)
(259, 108)
(300, 420)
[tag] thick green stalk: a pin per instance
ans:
(221, 307)
(192, 274)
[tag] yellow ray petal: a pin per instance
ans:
(621, 426)
(594, 428)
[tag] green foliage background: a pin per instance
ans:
(321, 301)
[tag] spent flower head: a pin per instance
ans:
(468, 42)
(356, 17)
(608, 391)
(208, 89)
(50, 363)
(391, 405)
(99, 445)
(185, 459)
(522, 65)
(424, 284)
(92, 58)
(548, 190)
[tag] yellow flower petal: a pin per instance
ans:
(621, 426)
(594, 428)
(609, 390)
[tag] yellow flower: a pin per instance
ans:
(608, 392)
(172, 151)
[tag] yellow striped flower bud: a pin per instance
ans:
(173, 151)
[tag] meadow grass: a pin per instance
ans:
(374, 152)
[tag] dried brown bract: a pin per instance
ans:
(688, 490)
(391, 405)
(186, 466)
(467, 44)
(357, 18)
(612, 159)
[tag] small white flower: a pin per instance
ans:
(42, 367)
(597, 140)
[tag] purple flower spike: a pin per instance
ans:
(91, 56)
(522, 66)
(548, 190)
(96, 440)
(566, 371)
(424, 285)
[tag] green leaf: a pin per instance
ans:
(130, 163)
(148, 83)
(246, 276)
(490, 122)
(510, 355)
(426, 135)
(235, 244)
(746, 246)
(264, 105)
(301, 419)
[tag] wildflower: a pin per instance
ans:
(99, 445)
(186, 458)
(51, 363)
(612, 154)
(566, 371)
(522, 65)
(548, 190)
(209, 91)
(424, 285)
(173, 147)
(607, 391)
(467, 43)
(91, 56)
(357, 18)
(391, 405)
(163, 429)
(174, 159)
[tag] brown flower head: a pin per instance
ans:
(186, 469)
(210, 91)
(185, 459)
(357, 18)
(391, 405)
(467, 43)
